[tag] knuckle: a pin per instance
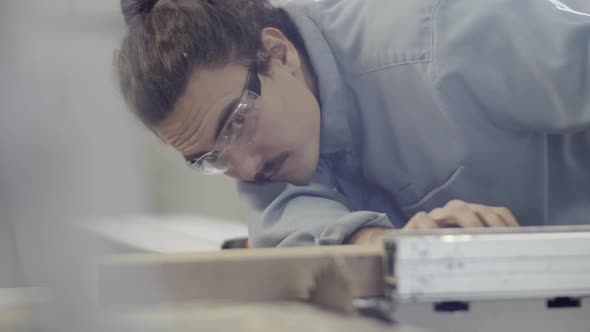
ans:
(458, 206)
(503, 210)
(436, 211)
(455, 203)
(462, 209)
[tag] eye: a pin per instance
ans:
(212, 157)
(238, 121)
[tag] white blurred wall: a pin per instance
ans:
(178, 189)
(68, 148)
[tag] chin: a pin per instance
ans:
(303, 173)
(300, 181)
(300, 167)
(295, 178)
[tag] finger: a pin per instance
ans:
(499, 213)
(507, 216)
(490, 218)
(467, 219)
(443, 218)
(421, 220)
(456, 213)
(503, 213)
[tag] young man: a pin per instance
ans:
(346, 118)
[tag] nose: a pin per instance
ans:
(243, 164)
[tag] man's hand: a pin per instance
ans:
(461, 214)
(454, 214)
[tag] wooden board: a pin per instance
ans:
(320, 274)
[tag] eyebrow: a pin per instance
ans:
(225, 114)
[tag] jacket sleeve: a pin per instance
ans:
(525, 62)
(316, 214)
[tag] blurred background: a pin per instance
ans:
(70, 151)
(71, 154)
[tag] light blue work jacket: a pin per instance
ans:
(426, 101)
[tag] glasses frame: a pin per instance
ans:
(252, 86)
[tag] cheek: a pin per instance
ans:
(267, 134)
(270, 127)
(287, 118)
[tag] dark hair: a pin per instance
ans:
(168, 38)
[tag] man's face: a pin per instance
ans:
(284, 142)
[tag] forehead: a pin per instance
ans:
(207, 83)
(207, 92)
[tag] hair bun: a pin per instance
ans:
(131, 8)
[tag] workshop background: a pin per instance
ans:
(69, 149)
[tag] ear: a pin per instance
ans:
(280, 49)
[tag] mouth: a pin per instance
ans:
(271, 168)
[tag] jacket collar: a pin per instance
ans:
(334, 97)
